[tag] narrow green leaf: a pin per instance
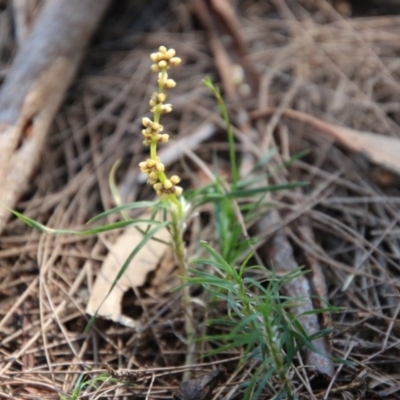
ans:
(225, 115)
(121, 208)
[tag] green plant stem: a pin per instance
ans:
(276, 354)
(179, 246)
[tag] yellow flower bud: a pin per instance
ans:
(146, 121)
(163, 138)
(150, 163)
(162, 61)
(153, 175)
(169, 83)
(156, 127)
(175, 179)
(151, 181)
(161, 97)
(166, 108)
(175, 61)
(178, 191)
(170, 53)
(160, 167)
(167, 184)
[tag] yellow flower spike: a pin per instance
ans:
(162, 60)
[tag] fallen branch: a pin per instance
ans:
(35, 87)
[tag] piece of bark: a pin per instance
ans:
(280, 254)
(35, 87)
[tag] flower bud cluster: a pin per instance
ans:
(163, 60)
(152, 132)
(152, 168)
(169, 186)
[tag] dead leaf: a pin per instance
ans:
(146, 261)
(161, 281)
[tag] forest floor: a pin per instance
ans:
(313, 93)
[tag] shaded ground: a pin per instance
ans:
(310, 58)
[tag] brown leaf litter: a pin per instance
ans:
(305, 78)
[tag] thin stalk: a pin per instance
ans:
(179, 247)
